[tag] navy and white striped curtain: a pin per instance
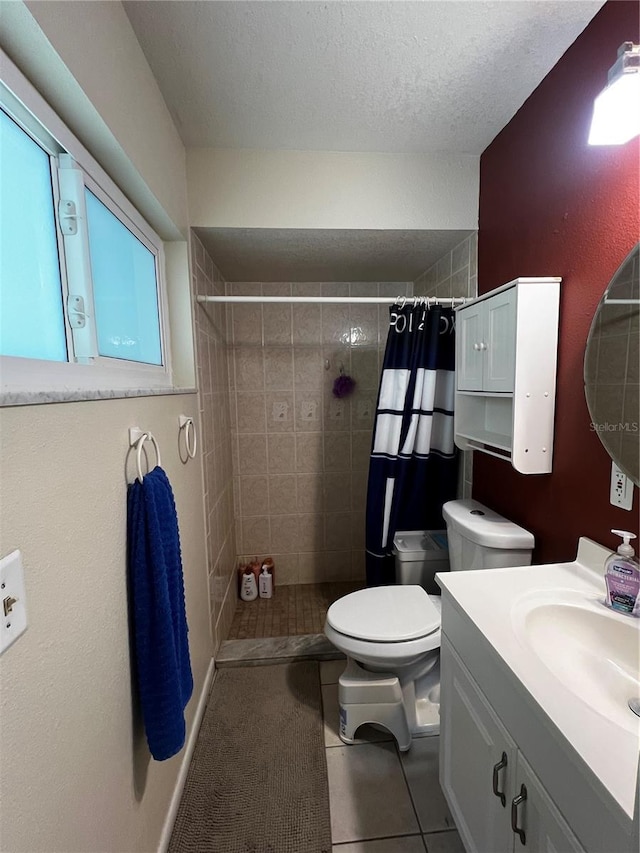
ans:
(414, 463)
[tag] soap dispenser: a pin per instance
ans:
(622, 577)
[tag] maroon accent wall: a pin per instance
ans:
(552, 205)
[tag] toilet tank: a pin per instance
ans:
(480, 538)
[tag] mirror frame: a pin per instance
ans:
(611, 366)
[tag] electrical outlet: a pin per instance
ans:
(621, 494)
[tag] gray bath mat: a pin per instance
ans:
(258, 778)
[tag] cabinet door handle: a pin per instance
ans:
(496, 770)
(483, 346)
(522, 796)
(477, 346)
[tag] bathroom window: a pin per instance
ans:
(82, 296)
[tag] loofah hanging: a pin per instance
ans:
(343, 385)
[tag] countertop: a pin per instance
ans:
(493, 599)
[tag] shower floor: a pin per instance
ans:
(294, 610)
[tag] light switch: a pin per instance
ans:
(13, 607)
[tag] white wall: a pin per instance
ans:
(76, 776)
(325, 189)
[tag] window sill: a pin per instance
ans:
(38, 398)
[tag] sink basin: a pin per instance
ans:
(592, 651)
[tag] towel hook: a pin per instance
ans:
(137, 439)
(190, 438)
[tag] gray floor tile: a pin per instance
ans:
(368, 795)
(420, 765)
(331, 670)
(402, 844)
(444, 842)
(330, 708)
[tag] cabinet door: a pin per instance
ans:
(477, 756)
(535, 815)
(500, 341)
(469, 348)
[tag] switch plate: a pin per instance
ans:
(13, 609)
(621, 493)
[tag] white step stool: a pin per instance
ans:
(371, 697)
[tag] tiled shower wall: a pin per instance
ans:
(455, 274)
(300, 455)
(215, 441)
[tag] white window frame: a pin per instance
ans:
(85, 370)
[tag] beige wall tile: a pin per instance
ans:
(249, 372)
(254, 496)
(310, 533)
(255, 535)
(363, 324)
(308, 368)
(307, 324)
(278, 368)
(310, 492)
(250, 408)
(337, 492)
(364, 368)
(247, 324)
(335, 323)
(310, 568)
(337, 531)
(308, 410)
(281, 453)
(284, 534)
(286, 569)
(252, 454)
(360, 450)
(337, 452)
(283, 494)
(276, 320)
(280, 411)
(337, 566)
(309, 456)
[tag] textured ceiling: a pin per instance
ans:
(291, 254)
(419, 76)
(352, 76)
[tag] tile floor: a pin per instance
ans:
(382, 801)
(293, 610)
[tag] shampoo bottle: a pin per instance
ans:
(622, 577)
(248, 587)
(266, 584)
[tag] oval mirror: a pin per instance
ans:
(611, 367)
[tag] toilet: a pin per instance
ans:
(391, 634)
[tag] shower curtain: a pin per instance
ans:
(413, 466)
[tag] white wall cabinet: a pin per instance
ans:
(498, 803)
(506, 346)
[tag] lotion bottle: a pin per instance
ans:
(622, 577)
(266, 584)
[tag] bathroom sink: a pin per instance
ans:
(592, 651)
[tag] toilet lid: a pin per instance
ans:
(385, 614)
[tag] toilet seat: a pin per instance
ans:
(366, 607)
(386, 614)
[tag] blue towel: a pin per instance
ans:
(159, 621)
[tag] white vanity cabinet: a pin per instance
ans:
(498, 803)
(506, 351)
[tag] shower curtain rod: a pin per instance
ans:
(358, 300)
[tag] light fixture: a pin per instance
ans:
(616, 110)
